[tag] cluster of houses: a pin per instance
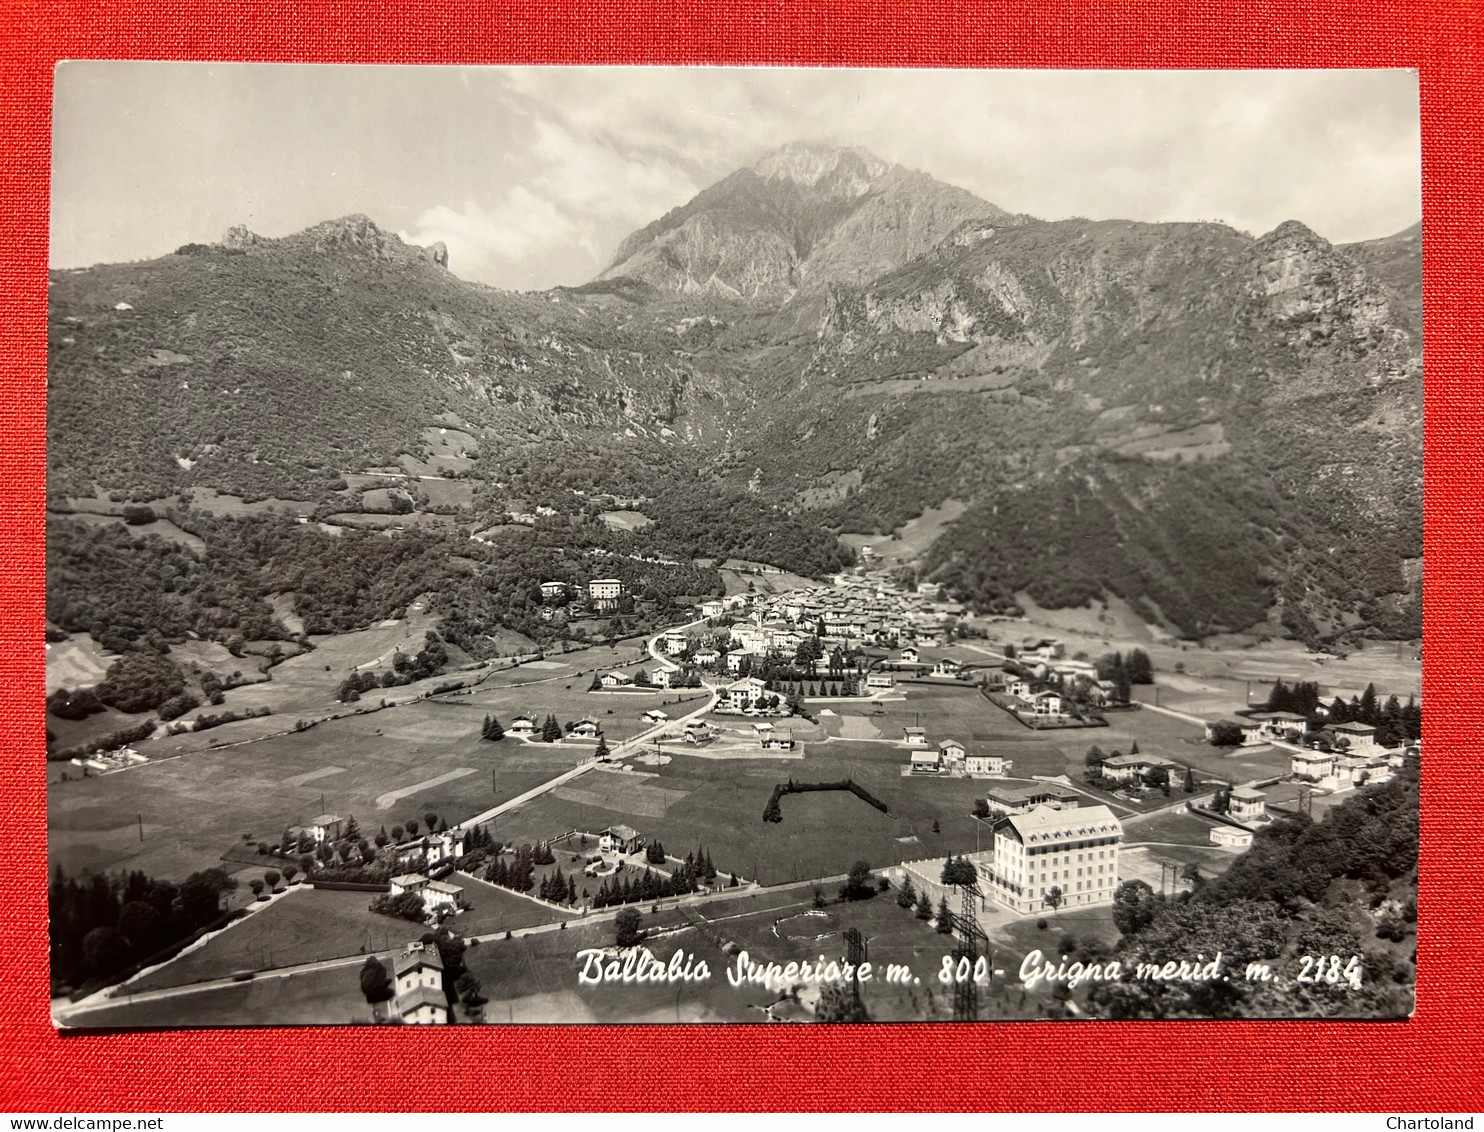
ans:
(1354, 756)
(524, 727)
(950, 759)
(602, 593)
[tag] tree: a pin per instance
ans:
(944, 925)
(959, 872)
(404, 906)
(601, 752)
(1225, 733)
(936, 828)
(376, 985)
(271, 877)
(467, 986)
(1189, 785)
(981, 808)
(627, 927)
(859, 883)
(1134, 906)
(551, 730)
(1140, 670)
(491, 730)
(924, 906)
(906, 895)
(1054, 897)
(1094, 757)
(256, 886)
(431, 819)
(412, 827)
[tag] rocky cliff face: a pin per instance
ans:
(804, 216)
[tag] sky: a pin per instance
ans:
(532, 176)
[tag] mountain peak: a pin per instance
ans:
(809, 163)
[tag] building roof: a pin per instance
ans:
(419, 996)
(946, 743)
(1045, 824)
(925, 757)
(1018, 794)
(1129, 760)
(326, 819)
(1246, 793)
(914, 730)
(407, 880)
(444, 887)
(623, 832)
(1353, 728)
(1285, 716)
(417, 956)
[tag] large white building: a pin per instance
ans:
(1074, 850)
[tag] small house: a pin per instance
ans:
(909, 655)
(620, 839)
(951, 752)
(615, 680)
(880, 681)
(915, 737)
(521, 725)
(1230, 837)
(423, 1006)
(986, 766)
(925, 762)
(1047, 703)
(586, 729)
(1247, 804)
(654, 715)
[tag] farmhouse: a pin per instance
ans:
(654, 715)
(880, 681)
(914, 736)
(1281, 724)
(437, 896)
(325, 827)
(586, 729)
(615, 680)
(1023, 799)
(417, 975)
(1127, 768)
(1311, 765)
(1046, 703)
(951, 753)
(1252, 730)
(1359, 738)
(521, 725)
(986, 766)
(620, 839)
(947, 667)
(605, 589)
(745, 694)
(1075, 851)
(1247, 804)
(909, 656)
(698, 731)
(553, 591)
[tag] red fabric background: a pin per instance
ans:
(1429, 1064)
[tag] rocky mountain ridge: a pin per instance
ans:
(1224, 430)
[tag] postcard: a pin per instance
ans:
(732, 545)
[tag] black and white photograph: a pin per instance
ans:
(732, 545)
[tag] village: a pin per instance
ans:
(1058, 778)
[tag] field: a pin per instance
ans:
(316, 998)
(308, 924)
(78, 662)
(382, 766)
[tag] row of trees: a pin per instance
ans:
(100, 925)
